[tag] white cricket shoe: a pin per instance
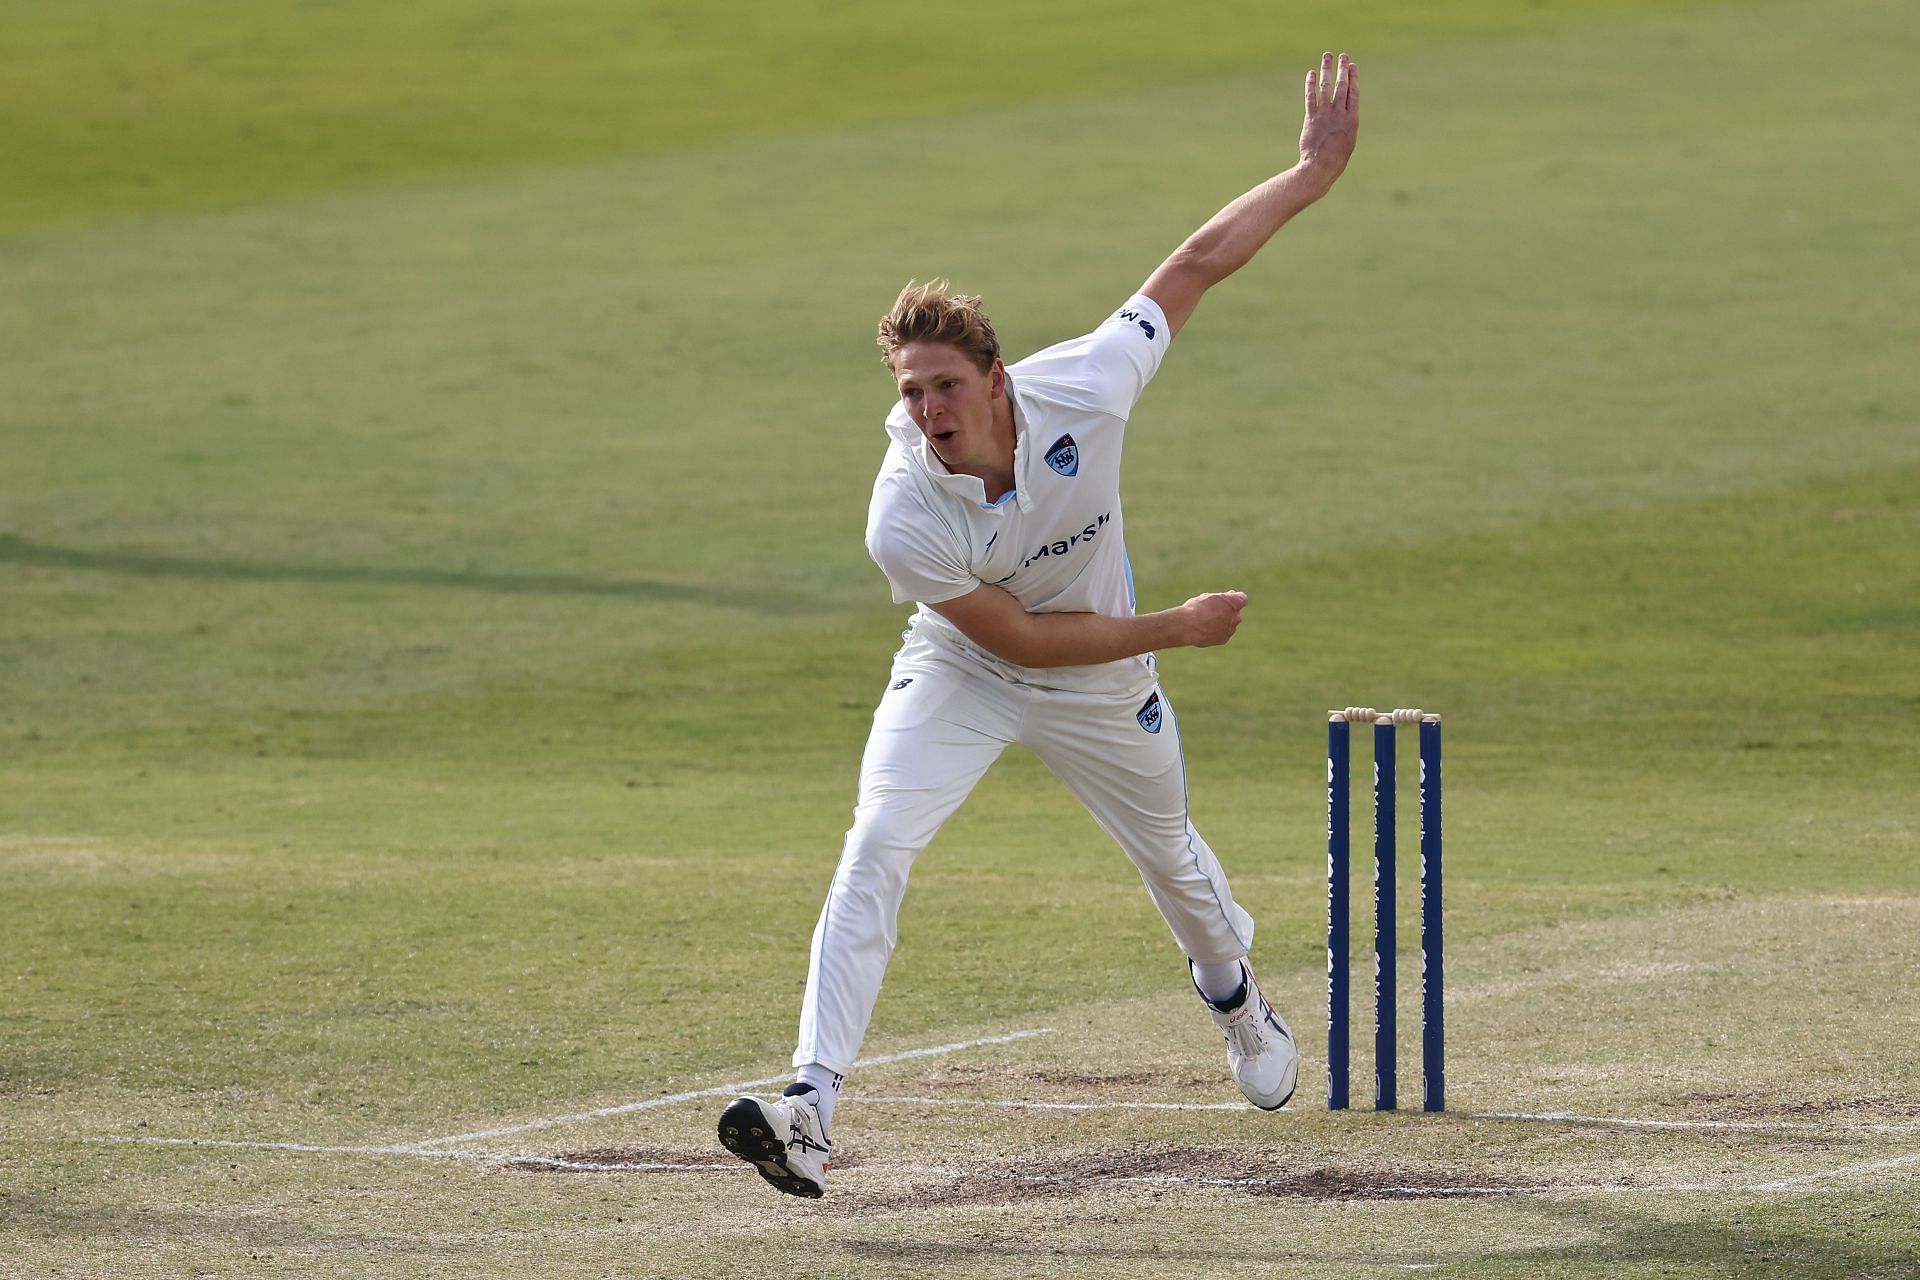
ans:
(1260, 1047)
(782, 1139)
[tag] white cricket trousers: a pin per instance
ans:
(946, 716)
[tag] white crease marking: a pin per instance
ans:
(1015, 1104)
(1866, 1166)
(304, 1148)
(423, 1153)
(1756, 1126)
(1802, 1183)
(738, 1086)
(435, 1148)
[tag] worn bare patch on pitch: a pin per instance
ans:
(1757, 1104)
(648, 1160)
(1155, 1167)
(626, 1160)
(998, 1078)
(1150, 1167)
(1394, 1184)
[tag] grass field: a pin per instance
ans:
(436, 644)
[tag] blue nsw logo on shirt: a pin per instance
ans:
(1149, 714)
(1064, 456)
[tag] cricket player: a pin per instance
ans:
(997, 511)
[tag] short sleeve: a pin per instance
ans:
(1108, 369)
(921, 558)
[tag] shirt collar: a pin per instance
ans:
(970, 488)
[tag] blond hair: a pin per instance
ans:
(929, 313)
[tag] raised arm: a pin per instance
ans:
(993, 619)
(1231, 237)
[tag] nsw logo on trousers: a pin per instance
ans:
(1149, 714)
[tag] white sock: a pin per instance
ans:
(1219, 983)
(824, 1085)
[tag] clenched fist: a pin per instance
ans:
(1214, 617)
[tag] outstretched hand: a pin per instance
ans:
(1333, 117)
(1229, 239)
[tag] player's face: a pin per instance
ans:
(951, 400)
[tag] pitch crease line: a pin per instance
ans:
(302, 1148)
(1865, 1166)
(737, 1086)
(417, 1153)
(1791, 1185)
(1758, 1126)
(1380, 1192)
(1781, 1186)
(1015, 1104)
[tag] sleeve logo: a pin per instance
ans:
(1146, 326)
(1064, 456)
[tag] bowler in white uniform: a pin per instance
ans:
(997, 511)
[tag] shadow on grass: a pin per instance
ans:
(1745, 1240)
(17, 550)
(953, 1254)
(1600, 1237)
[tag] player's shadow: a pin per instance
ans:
(952, 1255)
(146, 564)
(1751, 1239)
(1754, 1238)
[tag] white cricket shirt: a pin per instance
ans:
(1057, 541)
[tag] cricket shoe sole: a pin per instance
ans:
(764, 1134)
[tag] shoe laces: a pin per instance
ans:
(1244, 1035)
(799, 1139)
